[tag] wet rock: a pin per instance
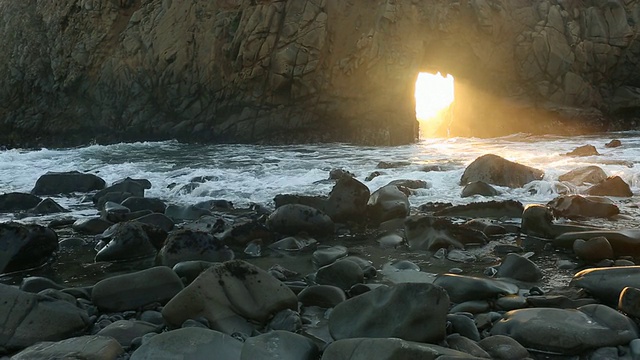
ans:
(390, 240)
(25, 246)
(487, 209)
(367, 267)
(463, 288)
(292, 219)
(114, 212)
(567, 331)
(160, 221)
(431, 233)
(520, 268)
(316, 202)
(511, 302)
(409, 184)
(184, 245)
(584, 150)
(478, 188)
(629, 302)
(392, 164)
(295, 244)
(33, 318)
(373, 175)
(347, 201)
(53, 183)
(16, 201)
(47, 206)
(503, 347)
(125, 241)
(91, 226)
(191, 269)
(460, 256)
(337, 174)
(342, 273)
(623, 242)
(35, 284)
(606, 284)
(577, 206)
(228, 295)
(584, 175)
(191, 343)
(179, 213)
(387, 349)
(557, 301)
(282, 345)
(466, 345)
(130, 186)
(613, 144)
(116, 197)
(464, 325)
(325, 296)
(410, 311)
(244, 231)
(612, 186)
(593, 250)
(493, 169)
(537, 220)
(134, 290)
(137, 203)
(124, 331)
(487, 226)
(387, 203)
(326, 256)
(95, 347)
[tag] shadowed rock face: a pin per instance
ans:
(310, 70)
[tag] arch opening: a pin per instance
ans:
(434, 96)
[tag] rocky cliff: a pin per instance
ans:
(75, 71)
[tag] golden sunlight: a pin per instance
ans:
(434, 95)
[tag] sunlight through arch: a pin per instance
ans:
(434, 95)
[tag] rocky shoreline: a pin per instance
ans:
(491, 279)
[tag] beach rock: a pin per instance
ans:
(316, 202)
(629, 302)
(228, 295)
(114, 212)
(292, 219)
(493, 169)
(606, 284)
(131, 187)
(567, 331)
(281, 345)
(16, 201)
(466, 345)
(537, 220)
(485, 209)
(191, 269)
(557, 301)
(487, 226)
(390, 240)
(160, 221)
(243, 231)
(337, 174)
(613, 144)
(367, 266)
(325, 296)
(35, 284)
(584, 175)
(584, 150)
(623, 242)
(611, 186)
(518, 267)
(91, 226)
(409, 184)
(387, 203)
(464, 325)
(342, 273)
(327, 255)
(593, 250)
(347, 201)
(47, 206)
(463, 288)
(295, 244)
(191, 343)
(25, 246)
(94, 347)
(124, 331)
(577, 206)
(503, 347)
(144, 183)
(478, 188)
(157, 284)
(185, 245)
(388, 349)
(30, 318)
(392, 164)
(125, 241)
(410, 311)
(431, 233)
(137, 203)
(179, 213)
(53, 183)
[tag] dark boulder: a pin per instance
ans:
(136, 203)
(16, 201)
(317, 202)
(478, 188)
(348, 201)
(25, 246)
(584, 150)
(292, 219)
(577, 206)
(585, 175)
(485, 209)
(53, 183)
(388, 203)
(125, 241)
(133, 187)
(432, 233)
(91, 226)
(187, 245)
(146, 184)
(496, 170)
(47, 206)
(520, 268)
(613, 143)
(410, 184)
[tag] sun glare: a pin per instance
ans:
(434, 94)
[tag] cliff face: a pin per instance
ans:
(75, 71)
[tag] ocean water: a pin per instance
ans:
(245, 174)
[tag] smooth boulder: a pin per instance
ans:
(432, 233)
(463, 288)
(409, 311)
(388, 349)
(584, 175)
(388, 203)
(518, 267)
(606, 284)
(16, 201)
(611, 186)
(25, 246)
(347, 201)
(281, 345)
(478, 188)
(193, 343)
(623, 242)
(578, 206)
(188, 245)
(125, 241)
(53, 183)
(291, 219)
(493, 169)
(93, 347)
